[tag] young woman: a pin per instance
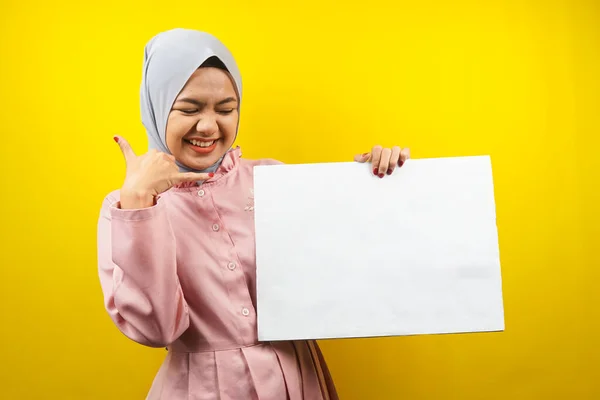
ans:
(176, 241)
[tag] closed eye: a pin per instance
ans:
(192, 111)
(225, 112)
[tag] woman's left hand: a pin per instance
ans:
(384, 160)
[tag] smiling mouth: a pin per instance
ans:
(201, 143)
(202, 146)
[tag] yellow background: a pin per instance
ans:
(518, 80)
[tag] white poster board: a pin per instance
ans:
(342, 253)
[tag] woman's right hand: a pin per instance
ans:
(149, 175)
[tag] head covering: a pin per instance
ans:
(170, 58)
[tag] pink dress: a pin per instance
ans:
(182, 275)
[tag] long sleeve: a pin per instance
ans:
(138, 273)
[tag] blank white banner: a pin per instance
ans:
(342, 253)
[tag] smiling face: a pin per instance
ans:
(203, 121)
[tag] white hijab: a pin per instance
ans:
(170, 58)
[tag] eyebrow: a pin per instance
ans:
(200, 104)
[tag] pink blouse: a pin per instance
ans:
(182, 275)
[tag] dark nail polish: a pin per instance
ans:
(400, 163)
(375, 171)
(389, 171)
(381, 175)
(116, 139)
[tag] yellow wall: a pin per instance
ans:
(515, 79)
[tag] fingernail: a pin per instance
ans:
(389, 171)
(381, 175)
(116, 139)
(210, 174)
(375, 171)
(365, 154)
(400, 163)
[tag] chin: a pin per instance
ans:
(201, 163)
(197, 161)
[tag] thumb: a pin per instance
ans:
(182, 177)
(361, 158)
(126, 149)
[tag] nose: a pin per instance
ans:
(207, 125)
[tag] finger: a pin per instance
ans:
(384, 162)
(362, 158)
(404, 155)
(375, 158)
(182, 177)
(394, 159)
(126, 149)
(168, 157)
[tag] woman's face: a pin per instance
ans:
(203, 120)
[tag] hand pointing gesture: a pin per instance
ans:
(149, 175)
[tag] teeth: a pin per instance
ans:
(201, 144)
